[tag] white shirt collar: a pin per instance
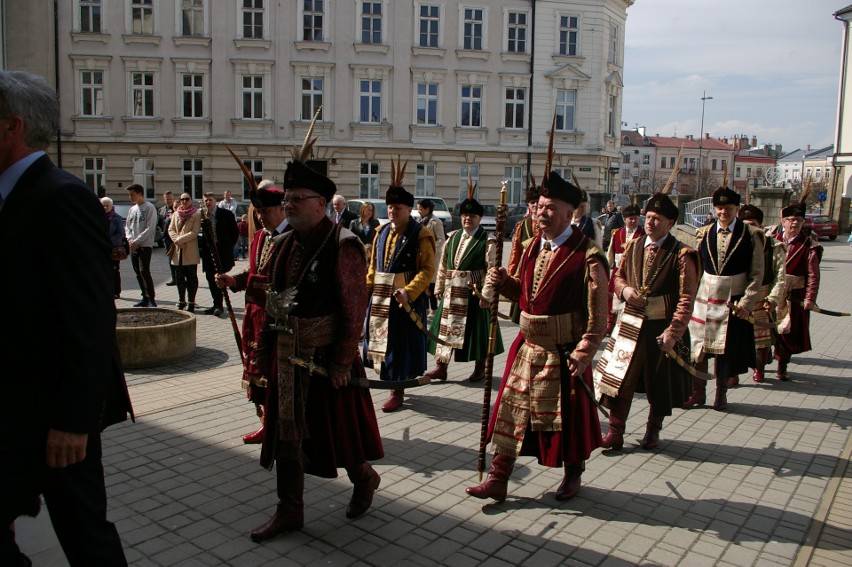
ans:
(659, 243)
(559, 240)
(731, 226)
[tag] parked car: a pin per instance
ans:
(123, 209)
(822, 225)
(441, 211)
(381, 207)
(516, 215)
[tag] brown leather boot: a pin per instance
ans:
(760, 369)
(652, 431)
(394, 401)
(614, 438)
(439, 372)
(497, 483)
(721, 403)
(289, 514)
(365, 480)
(699, 394)
(570, 485)
(478, 372)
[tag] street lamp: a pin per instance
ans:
(614, 168)
(704, 99)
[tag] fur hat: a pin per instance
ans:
(554, 187)
(661, 204)
(471, 206)
(631, 210)
(750, 212)
(267, 196)
(396, 193)
(299, 176)
(725, 196)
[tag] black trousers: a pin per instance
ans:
(215, 291)
(141, 261)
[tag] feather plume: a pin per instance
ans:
(471, 187)
(246, 173)
(576, 181)
(633, 198)
(673, 176)
(725, 178)
(807, 188)
(548, 159)
(303, 152)
(397, 172)
(532, 179)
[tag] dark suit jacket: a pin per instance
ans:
(227, 234)
(61, 366)
(346, 218)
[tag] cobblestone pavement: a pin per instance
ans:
(765, 483)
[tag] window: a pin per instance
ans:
(370, 102)
(646, 159)
(255, 166)
(193, 177)
(425, 179)
(92, 93)
(430, 18)
(253, 19)
(142, 17)
(724, 165)
(515, 108)
(671, 163)
(613, 44)
(312, 90)
(143, 94)
(94, 172)
(253, 96)
(368, 180)
(312, 20)
(514, 174)
(427, 104)
(748, 172)
(738, 172)
(471, 106)
(713, 164)
(566, 105)
(90, 16)
(517, 33)
(565, 172)
(371, 22)
(143, 174)
(463, 173)
(610, 118)
(662, 162)
(569, 28)
(192, 18)
(472, 29)
(193, 95)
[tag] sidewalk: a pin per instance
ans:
(766, 483)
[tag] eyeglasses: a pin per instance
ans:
(296, 200)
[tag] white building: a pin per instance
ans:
(153, 91)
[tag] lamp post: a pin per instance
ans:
(704, 99)
(614, 168)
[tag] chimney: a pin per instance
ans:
(641, 130)
(706, 135)
(753, 141)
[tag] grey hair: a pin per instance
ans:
(338, 198)
(264, 183)
(34, 100)
(106, 201)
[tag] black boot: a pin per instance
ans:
(478, 371)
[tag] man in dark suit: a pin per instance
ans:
(226, 234)
(340, 214)
(60, 303)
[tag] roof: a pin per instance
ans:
(822, 152)
(636, 138)
(707, 144)
(795, 156)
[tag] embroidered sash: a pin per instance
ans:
(453, 313)
(383, 288)
(613, 364)
(791, 283)
(708, 326)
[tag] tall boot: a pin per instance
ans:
(762, 355)
(497, 483)
(699, 394)
(394, 401)
(289, 514)
(478, 371)
(652, 431)
(365, 480)
(570, 485)
(439, 372)
(256, 437)
(721, 403)
(783, 359)
(614, 438)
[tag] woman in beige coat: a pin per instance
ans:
(183, 230)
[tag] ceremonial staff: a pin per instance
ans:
(502, 216)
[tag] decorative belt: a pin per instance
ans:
(548, 331)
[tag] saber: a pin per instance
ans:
(317, 370)
(478, 294)
(563, 359)
(817, 309)
(419, 323)
(750, 318)
(688, 367)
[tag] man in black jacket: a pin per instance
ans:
(340, 214)
(225, 234)
(54, 405)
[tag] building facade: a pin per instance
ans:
(155, 91)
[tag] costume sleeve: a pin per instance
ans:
(620, 276)
(812, 287)
(597, 289)
(425, 264)
(516, 250)
(352, 298)
(610, 251)
(371, 270)
(687, 268)
(755, 275)
(779, 265)
(442, 274)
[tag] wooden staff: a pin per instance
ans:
(502, 217)
(210, 239)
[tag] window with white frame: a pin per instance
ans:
(748, 171)
(312, 20)
(646, 159)
(142, 93)
(425, 179)
(610, 117)
(192, 18)
(516, 32)
(370, 101)
(94, 172)
(368, 180)
(252, 14)
(142, 17)
(92, 93)
(90, 16)
(515, 105)
(311, 96)
(427, 104)
(569, 32)
(255, 166)
(428, 25)
(514, 175)
(566, 110)
(662, 162)
(472, 28)
(613, 44)
(143, 174)
(192, 95)
(371, 22)
(566, 173)
(465, 170)
(193, 177)
(713, 164)
(252, 94)
(470, 106)
(671, 163)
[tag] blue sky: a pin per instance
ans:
(771, 66)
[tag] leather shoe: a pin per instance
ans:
(362, 493)
(478, 372)
(181, 305)
(280, 523)
(439, 372)
(173, 282)
(152, 303)
(758, 376)
(570, 485)
(143, 303)
(212, 311)
(217, 311)
(696, 400)
(394, 401)
(783, 377)
(191, 308)
(254, 437)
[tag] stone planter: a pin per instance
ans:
(153, 336)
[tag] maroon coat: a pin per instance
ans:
(803, 257)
